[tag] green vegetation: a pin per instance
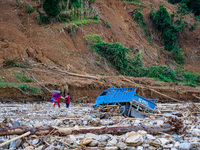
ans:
(21, 77)
(29, 8)
(51, 8)
(192, 5)
(103, 74)
(107, 24)
(119, 57)
(139, 18)
(77, 11)
(16, 62)
(135, 2)
(24, 87)
(169, 32)
(86, 22)
(30, 89)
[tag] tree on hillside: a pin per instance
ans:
(51, 8)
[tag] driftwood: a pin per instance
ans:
(16, 138)
(115, 130)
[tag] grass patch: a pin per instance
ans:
(16, 62)
(139, 18)
(103, 74)
(21, 77)
(86, 22)
(14, 84)
(30, 89)
(134, 2)
(24, 87)
(107, 24)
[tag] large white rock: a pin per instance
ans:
(134, 139)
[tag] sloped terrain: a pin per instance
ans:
(54, 45)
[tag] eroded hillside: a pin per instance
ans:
(55, 45)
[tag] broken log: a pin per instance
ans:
(117, 130)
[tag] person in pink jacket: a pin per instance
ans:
(56, 99)
(67, 100)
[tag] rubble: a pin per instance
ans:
(180, 128)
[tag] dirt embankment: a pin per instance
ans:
(87, 89)
(52, 45)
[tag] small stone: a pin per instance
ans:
(93, 143)
(105, 138)
(29, 148)
(35, 141)
(97, 121)
(16, 124)
(111, 148)
(184, 146)
(86, 141)
(195, 132)
(109, 123)
(85, 122)
(139, 148)
(159, 142)
(113, 142)
(88, 118)
(177, 144)
(142, 132)
(41, 147)
(121, 145)
(51, 147)
(93, 136)
(195, 144)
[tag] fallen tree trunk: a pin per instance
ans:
(115, 130)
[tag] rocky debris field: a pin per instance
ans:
(172, 126)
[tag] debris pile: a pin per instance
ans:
(174, 126)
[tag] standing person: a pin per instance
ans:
(67, 100)
(56, 99)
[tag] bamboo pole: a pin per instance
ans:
(16, 138)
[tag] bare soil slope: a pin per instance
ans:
(52, 45)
